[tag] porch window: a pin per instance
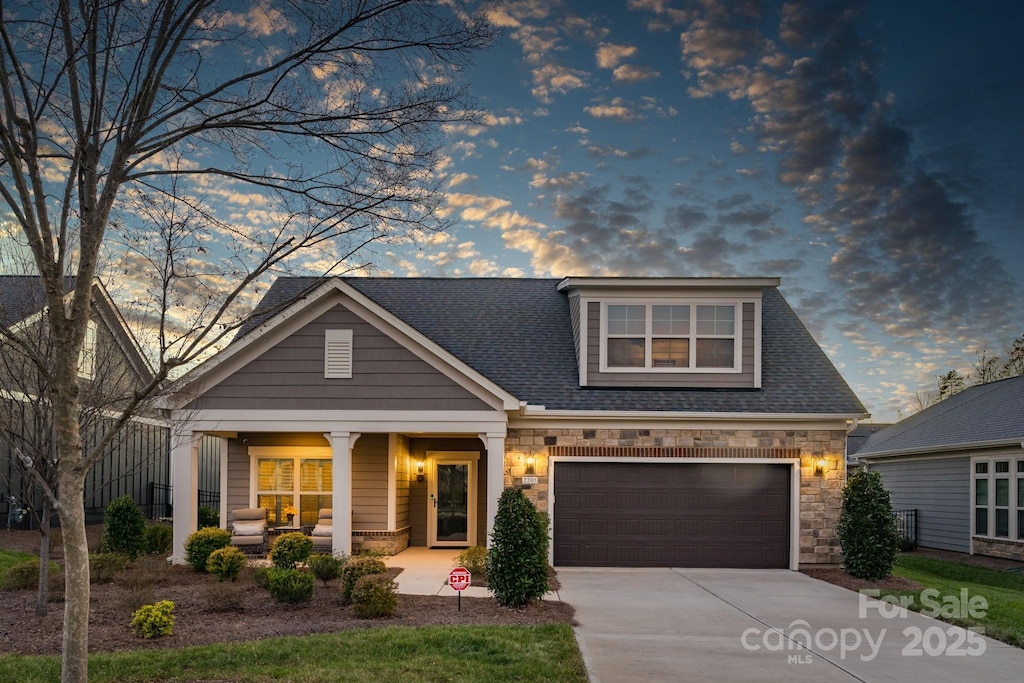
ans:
(284, 494)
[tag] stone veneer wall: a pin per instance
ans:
(1010, 550)
(820, 497)
(388, 542)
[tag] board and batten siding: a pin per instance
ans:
(385, 375)
(710, 380)
(940, 490)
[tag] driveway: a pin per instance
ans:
(750, 625)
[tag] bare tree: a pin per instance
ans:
(323, 113)
(109, 374)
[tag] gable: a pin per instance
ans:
(385, 375)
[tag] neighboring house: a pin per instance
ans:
(111, 366)
(960, 464)
(658, 421)
(856, 439)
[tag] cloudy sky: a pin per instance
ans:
(869, 155)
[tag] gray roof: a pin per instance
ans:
(517, 332)
(980, 414)
(856, 439)
(22, 295)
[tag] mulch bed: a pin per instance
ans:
(207, 611)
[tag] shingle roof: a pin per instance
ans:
(517, 333)
(856, 439)
(979, 414)
(22, 295)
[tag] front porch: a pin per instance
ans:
(402, 489)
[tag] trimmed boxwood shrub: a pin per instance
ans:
(517, 563)
(226, 563)
(325, 566)
(201, 544)
(867, 528)
(355, 569)
(291, 549)
(123, 527)
(157, 539)
(373, 596)
(289, 585)
(25, 576)
(154, 621)
(103, 567)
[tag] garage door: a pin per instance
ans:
(671, 514)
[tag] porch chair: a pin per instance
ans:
(323, 532)
(249, 530)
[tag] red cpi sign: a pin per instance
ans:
(459, 579)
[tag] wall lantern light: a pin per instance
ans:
(419, 470)
(530, 469)
(819, 467)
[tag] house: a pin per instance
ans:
(960, 464)
(658, 421)
(111, 365)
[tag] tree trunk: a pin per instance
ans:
(71, 499)
(43, 595)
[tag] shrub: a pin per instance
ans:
(123, 527)
(290, 550)
(208, 517)
(226, 563)
(104, 567)
(906, 544)
(200, 544)
(132, 599)
(475, 560)
(355, 569)
(325, 566)
(289, 585)
(867, 528)
(373, 596)
(157, 539)
(517, 564)
(154, 621)
(25, 576)
(261, 576)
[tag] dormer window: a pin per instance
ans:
(670, 337)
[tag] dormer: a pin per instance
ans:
(693, 333)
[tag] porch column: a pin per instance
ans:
(341, 490)
(184, 480)
(495, 443)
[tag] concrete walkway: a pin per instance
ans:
(425, 572)
(751, 625)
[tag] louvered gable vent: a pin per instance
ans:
(338, 354)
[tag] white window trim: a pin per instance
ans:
(296, 453)
(1014, 533)
(341, 342)
(737, 336)
(87, 354)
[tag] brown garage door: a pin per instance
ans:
(671, 514)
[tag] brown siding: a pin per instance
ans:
(595, 377)
(403, 475)
(385, 375)
(370, 483)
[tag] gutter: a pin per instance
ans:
(974, 445)
(540, 411)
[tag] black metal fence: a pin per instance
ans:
(907, 522)
(161, 501)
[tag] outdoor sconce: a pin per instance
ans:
(530, 469)
(819, 467)
(419, 470)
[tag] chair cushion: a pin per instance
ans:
(325, 513)
(248, 529)
(247, 540)
(323, 530)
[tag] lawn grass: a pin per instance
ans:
(490, 654)
(1004, 592)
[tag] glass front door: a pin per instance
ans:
(451, 505)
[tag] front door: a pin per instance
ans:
(451, 502)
